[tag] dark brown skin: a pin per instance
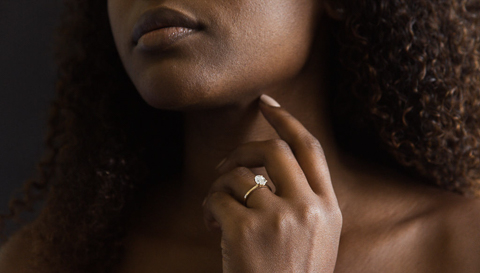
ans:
(347, 216)
(390, 224)
(248, 48)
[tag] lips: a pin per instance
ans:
(160, 18)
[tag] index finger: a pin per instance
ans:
(306, 147)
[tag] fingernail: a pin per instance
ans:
(269, 101)
(221, 163)
(204, 201)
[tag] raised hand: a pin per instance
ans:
(295, 229)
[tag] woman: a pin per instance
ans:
(371, 160)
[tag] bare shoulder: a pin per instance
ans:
(460, 217)
(443, 235)
(449, 240)
(16, 254)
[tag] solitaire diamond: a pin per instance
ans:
(260, 180)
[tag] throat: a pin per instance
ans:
(170, 215)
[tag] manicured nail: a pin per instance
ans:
(269, 101)
(221, 163)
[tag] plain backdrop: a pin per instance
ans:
(27, 76)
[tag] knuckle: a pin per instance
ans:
(278, 144)
(284, 221)
(240, 172)
(336, 215)
(311, 142)
(311, 213)
(333, 213)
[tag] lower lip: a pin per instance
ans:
(162, 39)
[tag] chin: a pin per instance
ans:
(169, 94)
(168, 90)
(172, 98)
(178, 90)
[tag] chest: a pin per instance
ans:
(150, 258)
(357, 253)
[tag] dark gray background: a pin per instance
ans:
(27, 76)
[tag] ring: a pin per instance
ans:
(261, 183)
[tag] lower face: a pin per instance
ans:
(244, 48)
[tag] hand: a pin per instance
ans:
(295, 229)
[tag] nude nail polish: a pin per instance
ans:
(269, 100)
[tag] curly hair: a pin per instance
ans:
(405, 87)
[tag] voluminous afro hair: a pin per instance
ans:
(406, 87)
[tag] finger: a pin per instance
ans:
(222, 208)
(238, 182)
(307, 149)
(280, 163)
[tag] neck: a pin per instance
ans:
(211, 134)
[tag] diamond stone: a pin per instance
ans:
(260, 180)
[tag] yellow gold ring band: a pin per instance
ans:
(257, 186)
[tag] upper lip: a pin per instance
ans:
(160, 18)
